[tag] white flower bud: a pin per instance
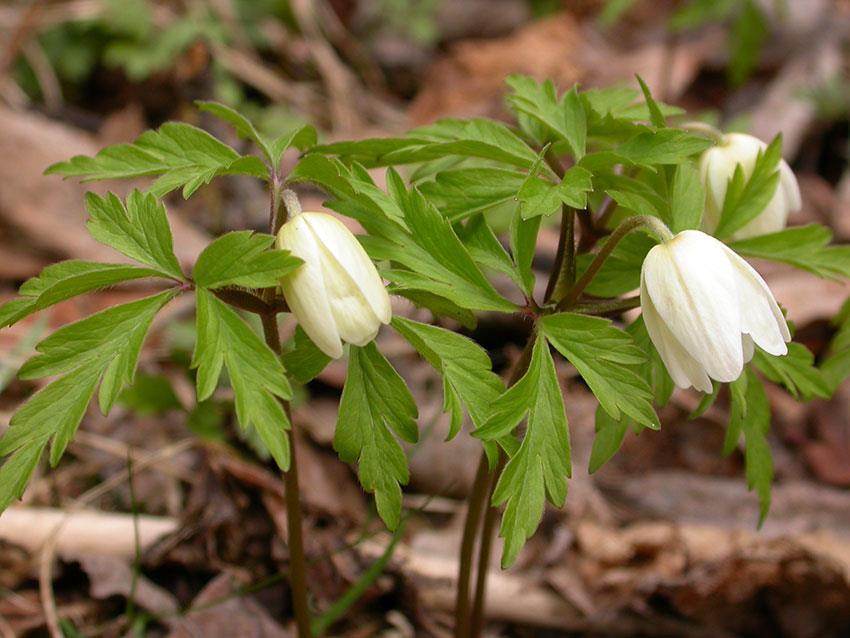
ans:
(336, 294)
(704, 307)
(717, 166)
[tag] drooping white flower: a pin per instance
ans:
(717, 166)
(704, 307)
(336, 294)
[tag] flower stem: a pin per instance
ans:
(564, 272)
(652, 224)
(702, 128)
(467, 547)
(467, 624)
(297, 564)
(484, 551)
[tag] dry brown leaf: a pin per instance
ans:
(219, 610)
(471, 78)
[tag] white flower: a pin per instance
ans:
(336, 294)
(704, 307)
(717, 165)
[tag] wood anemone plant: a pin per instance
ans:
(457, 235)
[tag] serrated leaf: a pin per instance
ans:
(256, 374)
(747, 198)
(610, 434)
(138, 230)
(375, 403)
(663, 146)
(606, 358)
(523, 246)
(465, 367)
(687, 198)
(804, 247)
(795, 371)
(750, 415)
(302, 137)
(434, 258)
(475, 137)
(105, 345)
(109, 340)
(462, 192)
(65, 280)
(303, 360)
(655, 114)
(486, 249)
(564, 118)
(183, 155)
(541, 197)
(655, 373)
(748, 34)
(243, 258)
(539, 469)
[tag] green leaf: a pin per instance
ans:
(539, 469)
(183, 155)
(138, 230)
(109, 341)
(433, 257)
(610, 434)
(795, 371)
(475, 137)
(564, 118)
(655, 114)
(105, 345)
(523, 246)
(804, 247)
(541, 197)
(749, 32)
(687, 198)
(302, 138)
(439, 306)
(750, 414)
(606, 358)
(64, 280)
(150, 394)
(747, 198)
(663, 146)
(375, 403)
(256, 374)
(462, 192)
(465, 367)
(486, 249)
(243, 258)
(303, 360)
(655, 373)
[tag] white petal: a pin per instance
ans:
(354, 317)
(351, 256)
(749, 347)
(304, 289)
(692, 286)
(683, 368)
(761, 317)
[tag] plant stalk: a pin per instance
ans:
(653, 224)
(297, 564)
(467, 618)
(467, 547)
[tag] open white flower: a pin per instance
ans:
(336, 294)
(717, 166)
(704, 306)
